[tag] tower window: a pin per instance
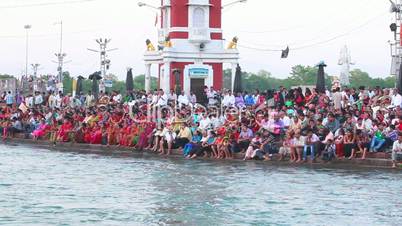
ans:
(199, 17)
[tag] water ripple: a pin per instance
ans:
(41, 187)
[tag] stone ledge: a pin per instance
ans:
(117, 151)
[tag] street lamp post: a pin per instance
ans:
(234, 2)
(26, 27)
(142, 4)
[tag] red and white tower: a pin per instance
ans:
(195, 55)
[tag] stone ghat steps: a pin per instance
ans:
(374, 160)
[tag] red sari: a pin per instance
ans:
(63, 133)
(96, 136)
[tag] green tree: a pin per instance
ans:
(67, 82)
(360, 78)
(303, 75)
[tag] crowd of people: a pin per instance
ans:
(296, 125)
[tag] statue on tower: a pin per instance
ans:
(150, 47)
(168, 43)
(345, 61)
(233, 43)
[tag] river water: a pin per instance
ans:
(41, 187)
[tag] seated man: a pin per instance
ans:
(246, 134)
(378, 139)
(329, 152)
(16, 127)
(310, 143)
(396, 150)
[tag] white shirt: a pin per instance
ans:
(89, 99)
(52, 101)
(38, 99)
(396, 100)
(205, 123)
(286, 121)
(228, 100)
(193, 99)
(183, 99)
(154, 99)
(117, 98)
(211, 97)
(314, 138)
(172, 96)
(162, 100)
(397, 147)
(298, 142)
(30, 101)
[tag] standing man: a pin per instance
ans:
(9, 99)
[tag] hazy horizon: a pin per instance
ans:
(363, 25)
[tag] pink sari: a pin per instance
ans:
(41, 131)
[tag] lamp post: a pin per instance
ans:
(142, 4)
(34, 79)
(27, 28)
(234, 2)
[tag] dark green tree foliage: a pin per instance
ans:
(303, 75)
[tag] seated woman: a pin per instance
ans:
(145, 136)
(255, 145)
(157, 137)
(41, 131)
(79, 133)
(340, 153)
(112, 134)
(63, 134)
(285, 149)
(245, 137)
(296, 147)
(195, 141)
(362, 145)
(96, 135)
(206, 146)
(167, 140)
(349, 144)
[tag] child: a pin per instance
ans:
(329, 151)
(285, 149)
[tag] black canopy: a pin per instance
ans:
(321, 78)
(129, 80)
(79, 88)
(95, 87)
(237, 88)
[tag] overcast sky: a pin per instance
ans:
(262, 24)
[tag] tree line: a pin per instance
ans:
(304, 75)
(262, 80)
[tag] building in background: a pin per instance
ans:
(191, 50)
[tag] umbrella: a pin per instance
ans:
(79, 85)
(285, 53)
(237, 88)
(95, 87)
(321, 78)
(129, 80)
(399, 80)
